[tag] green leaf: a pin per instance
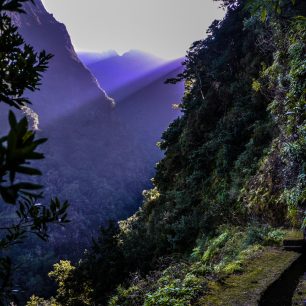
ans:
(28, 170)
(264, 14)
(27, 186)
(8, 195)
(12, 119)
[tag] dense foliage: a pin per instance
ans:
(234, 166)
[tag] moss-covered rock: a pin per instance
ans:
(246, 288)
(293, 234)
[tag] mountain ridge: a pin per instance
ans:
(44, 32)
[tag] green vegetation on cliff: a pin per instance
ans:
(234, 169)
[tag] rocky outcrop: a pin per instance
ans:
(67, 84)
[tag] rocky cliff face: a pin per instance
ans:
(67, 84)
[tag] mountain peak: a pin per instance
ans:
(72, 86)
(139, 53)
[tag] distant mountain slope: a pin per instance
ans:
(149, 102)
(67, 83)
(144, 103)
(88, 58)
(136, 80)
(114, 71)
(162, 73)
(104, 165)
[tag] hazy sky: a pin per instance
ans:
(163, 27)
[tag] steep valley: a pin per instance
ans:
(100, 155)
(194, 191)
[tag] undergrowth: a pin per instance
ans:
(213, 257)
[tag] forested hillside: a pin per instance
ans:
(233, 176)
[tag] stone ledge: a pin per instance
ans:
(247, 288)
